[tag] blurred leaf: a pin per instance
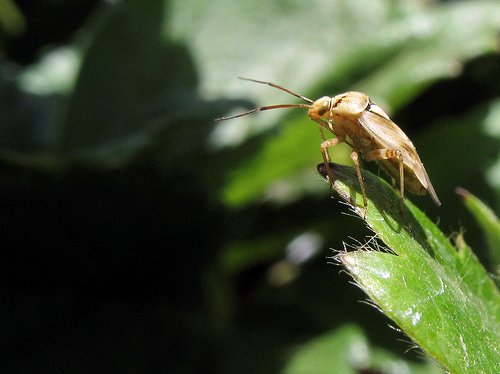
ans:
(488, 221)
(356, 39)
(346, 351)
(492, 128)
(133, 86)
(457, 132)
(11, 18)
(287, 158)
(440, 297)
(129, 78)
(436, 46)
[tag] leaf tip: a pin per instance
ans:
(462, 193)
(346, 259)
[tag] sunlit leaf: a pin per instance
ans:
(441, 297)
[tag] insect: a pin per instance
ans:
(357, 121)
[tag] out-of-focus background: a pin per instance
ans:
(138, 235)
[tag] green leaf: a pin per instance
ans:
(443, 299)
(488, 221)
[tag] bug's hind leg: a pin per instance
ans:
(385, 154)
(355, 159)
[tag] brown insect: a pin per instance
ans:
(367, 129)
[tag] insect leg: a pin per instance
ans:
(325, 144)
(332, 142)
(385, 154)
(326, 155)
(355, 158)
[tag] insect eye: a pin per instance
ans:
(325, 105)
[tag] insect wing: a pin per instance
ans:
(388, 135)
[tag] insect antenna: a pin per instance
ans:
(303, 98)
(264, 108)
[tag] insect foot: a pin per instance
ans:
(333, 172)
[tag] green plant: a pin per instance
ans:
(439, 294)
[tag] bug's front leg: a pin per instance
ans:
(324, 152)
(386, 154)
(327, 143)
